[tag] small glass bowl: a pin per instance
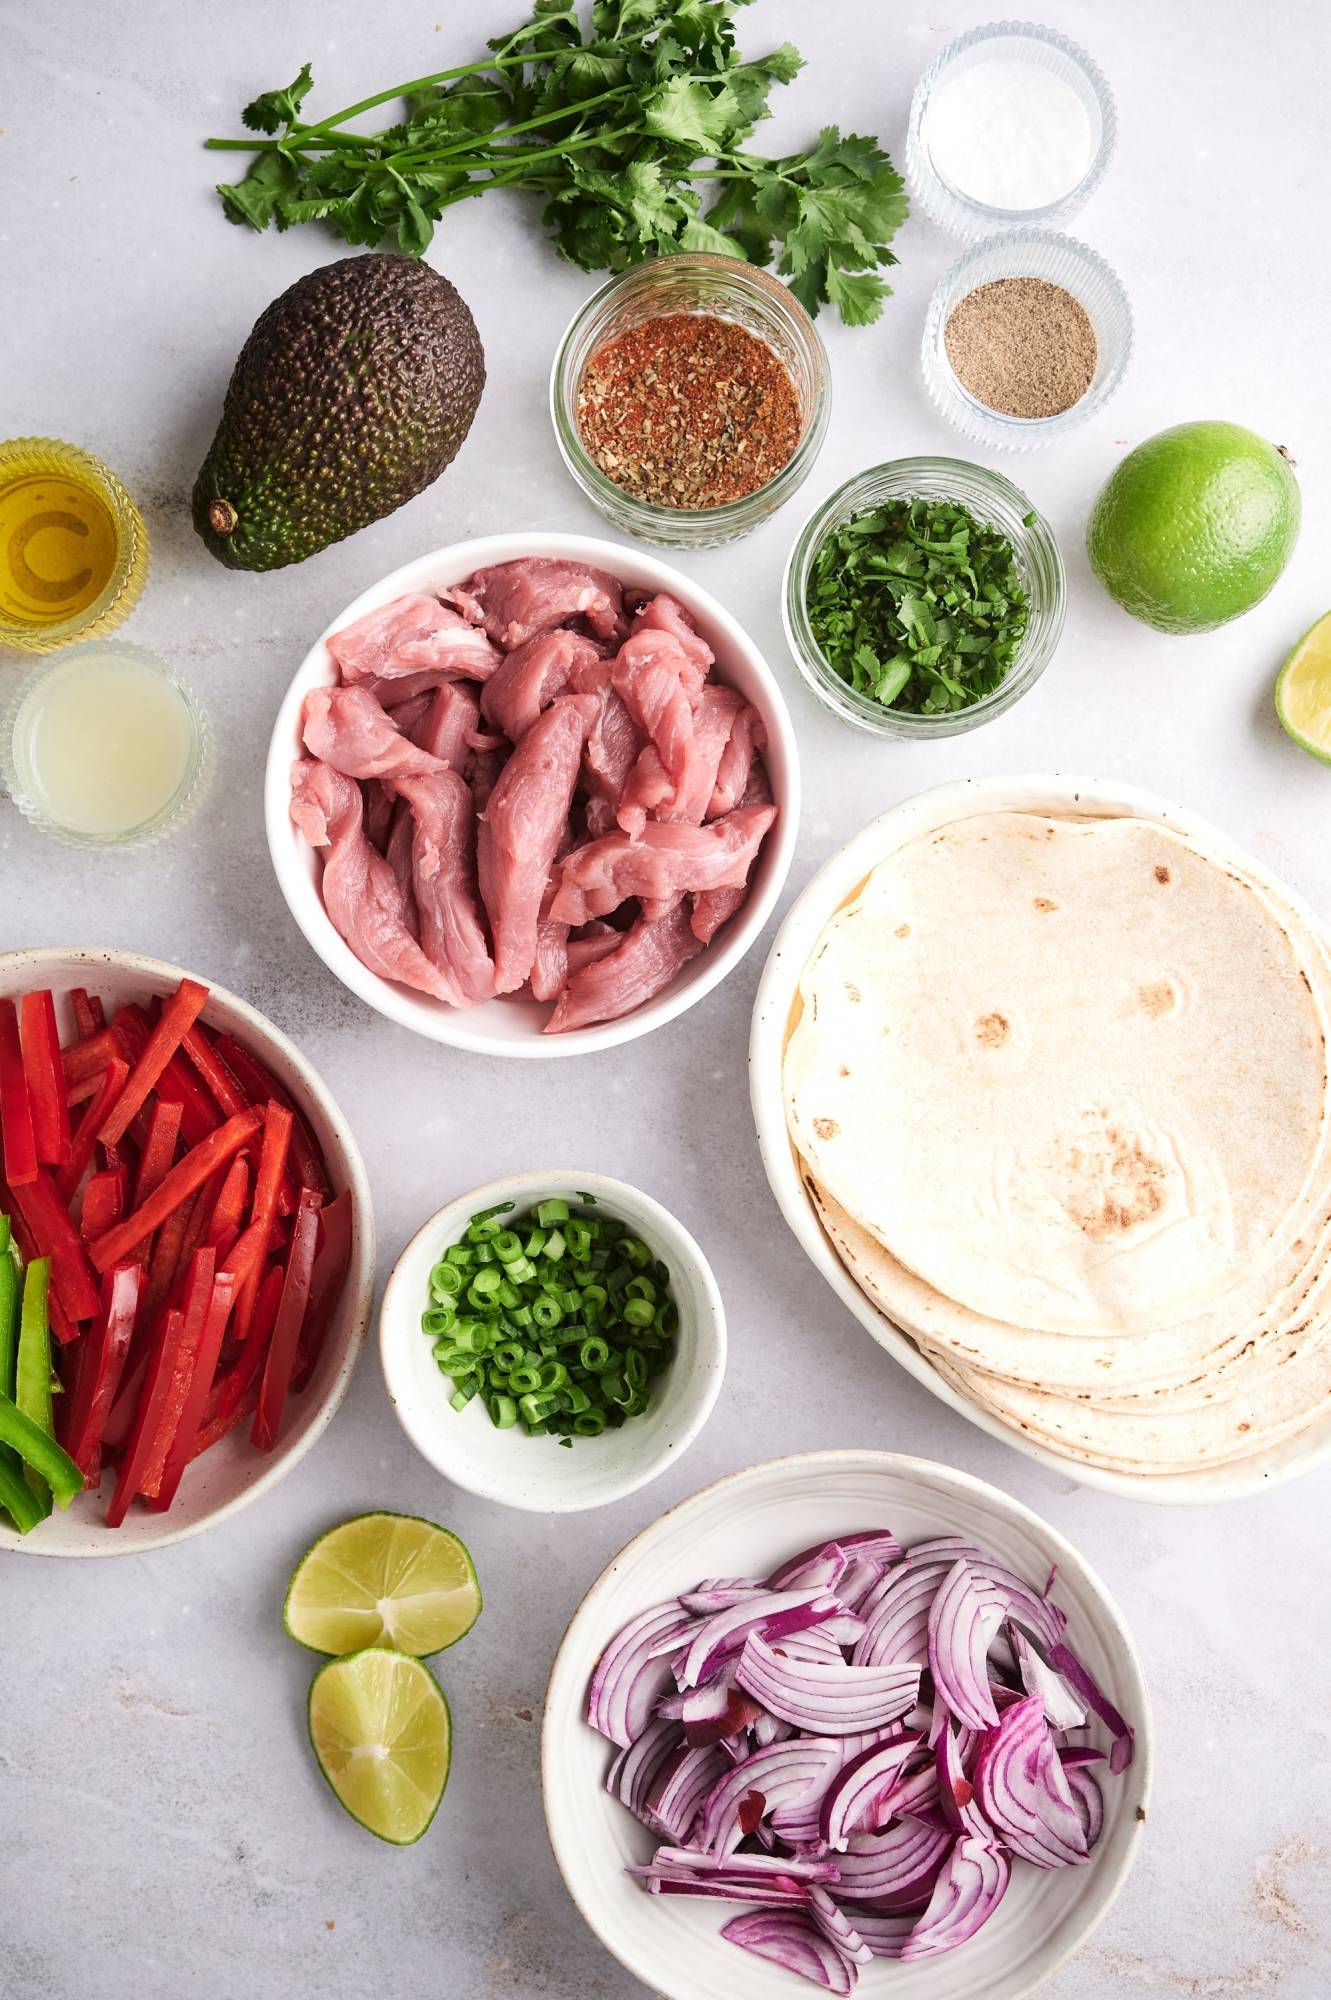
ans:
(1009, 41)
(15, 754)
(32, 457)
(692, 283)
(990, 498)
(1028, 253)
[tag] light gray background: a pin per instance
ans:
(163, 1829)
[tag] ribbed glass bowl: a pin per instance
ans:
(31, 456)
(726, 288)
(990, 498)
(1028, 253)
(1007, 41)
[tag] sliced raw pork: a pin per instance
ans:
(637, 969)
(410, 636)
(346, 727)
(531, 677)
(520, 832)
(443, 862)
(664, 613)
(360, 891)
(747, 737)
(660, 686)
(448, 723)
(666, 863)
(536, 593)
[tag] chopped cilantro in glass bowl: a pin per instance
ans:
(923, 598)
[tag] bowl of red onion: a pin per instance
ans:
(847, 1720)
(532, 795)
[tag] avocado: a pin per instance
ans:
(351, 395)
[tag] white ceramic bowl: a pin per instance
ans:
(834, 883)
(537, 1474)
(232, 1474)
(513, 1027)
(745, 1525)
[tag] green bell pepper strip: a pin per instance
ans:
(32, 1375)
(17, 1498)
(40, 1452)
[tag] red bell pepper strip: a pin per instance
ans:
(152, 1400)
(20, 1145)
(168, 1257)
(261, 1085)
(104, 1201)
(224, 1087)
(331, 1263)
(235, 1395)
(250, 1254)
(89, 1013)
(229, 1209)
(46, 1087)
(178, 1016)
(196, 1307)
(103, 1360)
(47, 1218)
(85, 1132)
(159, 1150)
(90, 1057)
(161, 1490)
(183, 1179)
(281, 1359)
(62, 1326)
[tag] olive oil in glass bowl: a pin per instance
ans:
(73, 547)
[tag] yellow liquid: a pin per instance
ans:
(103, 744)
(58, 548)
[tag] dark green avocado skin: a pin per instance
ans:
(354, 391)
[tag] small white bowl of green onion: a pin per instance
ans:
(552, 1341)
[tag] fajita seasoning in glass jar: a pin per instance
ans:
(73, 547)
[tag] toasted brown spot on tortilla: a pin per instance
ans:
(842, 1070)
(992, 1030)
(853, 992)
(826, 1128)
(1043, 903)
(1115, 1184)
(1161, 872)
(1157, 998)
(903, 930)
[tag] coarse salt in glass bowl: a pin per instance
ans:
(1041, 50)
(1059, 260)
(726, 288)
(990, 498)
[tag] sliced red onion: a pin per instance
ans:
(630, 1677)
(785, 1774)
(832, 1699)
(884, 1931)
(768, 1895)
(1035, 1612)
(856, 1797)
(1088, 1799)
(862, 1574)
(837, 1928)
(775, 1611)
(732, 1867)
(719, 1593)
(1022, 1791)
(712, 1713)
(879, 1545)
(824, 1566)
(1072, 1755)
(636, 1769)
(794, 1941)
(681, 1788)
(896, 1868)
(1062, 1710)
(917, 1793)
(956, 1794)
(769, 1729)
(968, 1891)
(1065, 1660)
(797, 1822)
(964, 1617)
(817, 1643)
(896, 1615)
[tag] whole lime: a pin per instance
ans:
(1195, 526)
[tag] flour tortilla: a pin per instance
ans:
(1073, 1075)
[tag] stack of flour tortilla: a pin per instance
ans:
(1058, 1088)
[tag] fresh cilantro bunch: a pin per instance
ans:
(918, 605)
(618, 129)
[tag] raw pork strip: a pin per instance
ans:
(360, 890)
(647, 960)
(666, 863)
(520, 833)
(531, 677)
(443, 860)
(666, 614)
(398, 856)
(746, 738)
(379, 806)
(649, 785)
(537, 593)
(485, 769)
(346, 727)
(595, 941)
(409, 636)
(660, 686)
(549, 968)
(453, 713)
(410, 714)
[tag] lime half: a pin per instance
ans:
(380, 1729)
(1303, 691)
(383, 1580)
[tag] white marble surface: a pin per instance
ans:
(165, 1830)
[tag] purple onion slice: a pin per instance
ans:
(1022, 1790)
(968, 1891)
(963, 1620)
(830, 1699)
(790, 1939)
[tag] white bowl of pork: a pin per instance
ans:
(532, 795)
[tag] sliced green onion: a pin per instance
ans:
(548, 1213)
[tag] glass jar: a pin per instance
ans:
(990, 498)
(52, 489)
(104, 746)
(726, 288)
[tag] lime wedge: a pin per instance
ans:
(383, 1580)
(380, 1729)
(1303, 691)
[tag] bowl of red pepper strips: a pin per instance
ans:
(186, 1253)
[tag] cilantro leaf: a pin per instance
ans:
(272, 109)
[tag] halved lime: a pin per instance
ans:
(383, 1580)
(1303, 691)
(379, 1726)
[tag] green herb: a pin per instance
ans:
(918, 605)
(560, 1322)
(615, 130)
